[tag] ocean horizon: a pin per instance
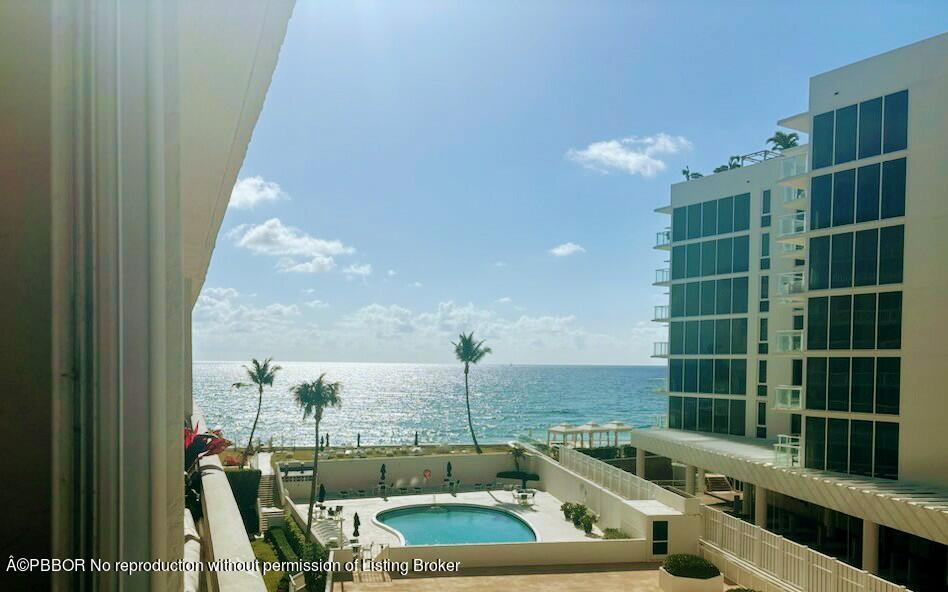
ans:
(387, 402)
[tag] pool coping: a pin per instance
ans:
(404, 543)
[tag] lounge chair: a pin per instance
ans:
(478, 486)
(360, 493)
(344, 493)
(416, 489)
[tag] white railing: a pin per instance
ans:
(660, 421)
(788, 398)
(662, 239)
(663, 276)
(791, 194)
(790, 341)
(660, 349)
(740, 549)
(662, 312)
(787, 450)
(795, 250)
(791, 166)
(792, 224)
(791, 283)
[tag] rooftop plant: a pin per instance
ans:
(690, 566)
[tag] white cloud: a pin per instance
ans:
(566, 249)
(250, 191)
(362, 271)
(500, 264)
(635, 155)
(391, 273)
(297, 251)
(317, 304)
(504, 300)
(416, 284)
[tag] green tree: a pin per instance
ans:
(314, 398)
(469, 352)
(781, 141)
(260, 375)
(518, 454)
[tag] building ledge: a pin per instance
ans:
(799, 122)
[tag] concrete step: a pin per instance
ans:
(716, 483)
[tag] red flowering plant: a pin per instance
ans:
(197, 445)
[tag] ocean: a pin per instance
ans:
(388, 403)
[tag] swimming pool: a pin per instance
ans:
(456, 524)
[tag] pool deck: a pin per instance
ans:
(544, 516)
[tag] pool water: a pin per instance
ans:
(456, 525)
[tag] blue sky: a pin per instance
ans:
(422, 168)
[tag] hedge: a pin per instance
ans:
(690, 566)
(277, 539)
(245, 484)
(315, 581)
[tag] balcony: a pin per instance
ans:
(793, 166)
(791, 286)
(793, 198)
(662, 313)
(787, 451)
(790, 341)
(663, 240)
(662, 277)
(795, 250)
(791, 227)
(660, 349)
(788, 398)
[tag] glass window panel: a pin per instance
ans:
(675, 367)
(691, 337)
(693, 267)
(889, 324)
(845, 145)
(692, 299)
(888, 382)
(765, 244)
(691, 376)
(837, 445)
(739, 294)
(678, 300)
(722, 376)
(674, 412)
(707, 297)
(720, 416)
(742, 212)
(689, 414)
(739, 377)
(660, 530)
(816, 383)
(838, 378)
(709, 221)
(796, 372)
(761, 413)
(866, 257)
(895, 122)
(817, 323)
(709, 256)
(891, 253)
(694, 221)
(725, 215)
(841, 261)
(725, 255)
(822, 140)
(679, 224)
(705, 421)
(867, 193)
(676, 337)
(863, 385)
(870, 128)
(840, 322)
(765, 221)
(815, 443)
(819, 262)
(765, 202)
(706, 346)
(762, 371)
(893, 188)
(724, 297)
(860, 447)
(762, 333)
(864, 321)
(678, 262)
(764, 287)
(821, 194)
(737, 418)
(722, 336)
(706, 375)
(795, 424)
(887, 450)
(741, 253)
(844, 197)
(739, 336)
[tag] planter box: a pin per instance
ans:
(670, 583)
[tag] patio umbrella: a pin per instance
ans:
(355, 525)
(449, 469)
(321, 497)
(382, 474)
(358, 440)
(416, 438)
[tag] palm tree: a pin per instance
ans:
(782, 141)
(686, 172)
(314, 398)
(518, 454)
(733, 162)
(469, 352)
(261, 375)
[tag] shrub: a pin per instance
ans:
(567, 509)
(579, 510)
(690, 566)
(614, 533)
(587, 523)
(245, 483)
(263, 551)
(315, 581)
(277, 539)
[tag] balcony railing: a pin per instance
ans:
(793, 166)
(662, 313)
(790, 341)
(790, 195)
(791, 225)
(663, 239)
(791, 250)
(663, 276)
(788, 398)
(660, 349)
(787, 451)
(791, 283)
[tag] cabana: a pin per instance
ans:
(588, 435)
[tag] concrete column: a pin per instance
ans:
(760, 506)
(700, 484)
(870, 546)
(690, 479)
(640, 462)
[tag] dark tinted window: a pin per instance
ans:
(722, 336)
(724, 297)
(816, 383)
(693, 267)
(889, 325)
(737, 418)
(691, 376)
(840, 321)
(815, 443)
(739, 378)
(838, 382)
(706, 342)
(862, 385)
(865, 258)
(895, 132)
(822, 140)
(725, 214)
(709, 220)
(765, 202)
(817, 322)
(722, 376)
(707, 297)
(694, 221)
(680, 223)
(689, 414)
(845, 147)
(819, 262)
(678, 262)
(867, 193)
(841, 261)
(870, 128)
(693, 299)
(676, 337)
(675, 366)
(741, 250)
(678, 300)
(742, 212)
(893, 188)
(706, 378)
(891, 241)
(691, 337)
(860, 447)
(674, 412)
(864, 321)
(709, 254)
(844, 197)
(887, 450)
(837, 445)
(720, 416)
(739, 336)
(704, 414)
(762, 371)
(821, 193)
(739, 291)
(888, 379)
(725, 255)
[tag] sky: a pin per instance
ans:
(420, 169)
